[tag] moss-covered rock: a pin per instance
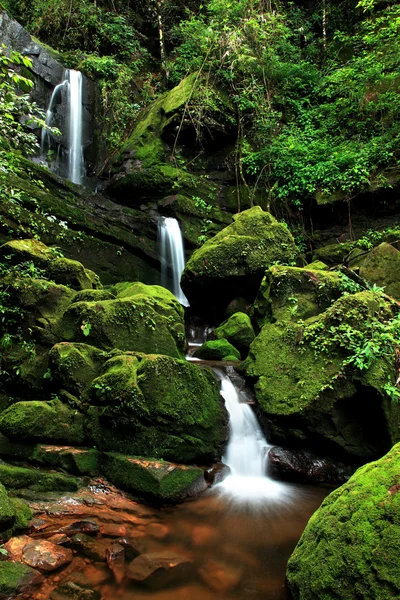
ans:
(60, 270)
(292, 293)
(238, 330)
(15, 478)
(7, 510)
(39, 420)
(333, 254)
(217, 350)
(233, 262)
(16, 578)
(157, 406)
(310, 397)
(143, 319)
(74, 366)
(80, 461)
(381, 266)
(23, 514)
(154, 479)
(350, 547)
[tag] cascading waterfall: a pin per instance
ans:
(246, 453)
(172, 255)
(69, 163)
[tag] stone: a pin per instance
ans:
(85, 526)
(217, 473)
(59, 538)
(115, 556)
(173, 407)
(80, 461)
(70, 590)
(381, 267)
(88, 546)
(16, 578)
(133, 546)
(304, 466)
(15, 546)
(159, 569)
(42, 420)
(155, 479)
(233, 262)
(35, 479)
(217, 350)
(74, 366)
(350, 547)
(45, 555)
(238, 330)
(7, 510)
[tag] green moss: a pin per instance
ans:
(382, 267)
(351, 545)
(333, 254)
(16, 578)
(7, 510)
(23, 514)
(238, 330)
(37, 420)
(150, 478)
(157, 406)
(15, 478)
(75, 366)
(80, 461)
(217, 350)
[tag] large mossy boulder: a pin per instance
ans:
(381, 267)
(157, 406)
(233, 262)
(350, 547)
(58, 269)
(310, 396)
(217, 350)
(294, 293)
(153, 479)
(142, 318)
(238, 330)
(74, 366)
(39, 420)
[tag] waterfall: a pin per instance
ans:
(76, 166)
(172, 255)
(246, 453)
(70, 162)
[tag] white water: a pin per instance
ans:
(172, 255)
(46, 137)
(246, 454)
(76, 167)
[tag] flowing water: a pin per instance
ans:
(66, 159)
(172, 257)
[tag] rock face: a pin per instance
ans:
(350, 547)
(153, 479)
(304, 466)
(310, 398)
(382, 267)
(233, 262)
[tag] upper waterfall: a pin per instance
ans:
(172, 256)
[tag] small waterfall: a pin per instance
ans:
(246, 453)
(172, 255)
(69, 160)
(76, 168)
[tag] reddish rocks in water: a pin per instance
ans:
(216, 473)
(59, 538)
(159, 569)
(304, 466)
(73, 591)
(46, 556)
(88, 547)
(220, 577)
(133, 546)
(115, 556)
(86, 526)
(16, 578)
(15, 546)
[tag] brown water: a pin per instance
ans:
(236, 553)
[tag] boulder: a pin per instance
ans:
(217, 350)
(238, 330)
(311, 396)
(350, 547)
(89, 547)
(85, 526)
(159, 406)
(74, 366)
(42, 420)
(7, 510)
(154, 479)
(304, 466)
(70, 590)
(80, 461)
(115, 556)
(381, 267)
(159, 569)
(143, 319)
(233, 262)
(16, 578)
(14, 477)
(58, 269)
(46, 556)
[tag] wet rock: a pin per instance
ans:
(45, 555)
(115, 556)
(15, 578)
(7, 510)
(38, 524)
(220, 577)
(15, 545)
(59, 538)
(88, 547)
(159, 569)
(85, 526)
(73, 591)
(216, 473)
(133, 546)
(304, 466)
